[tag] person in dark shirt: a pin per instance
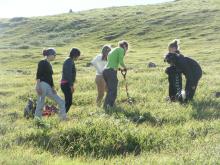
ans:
(191, 70)
(69, 77)
(174, 75)
(45, 85)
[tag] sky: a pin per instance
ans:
(29, 8)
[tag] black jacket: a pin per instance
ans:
(69, 71)
(189, 67)
(45, 72)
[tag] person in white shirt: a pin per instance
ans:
(99, 62)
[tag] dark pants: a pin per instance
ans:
(175, 82)
(191, 85)
(110, 77)
(68, 95)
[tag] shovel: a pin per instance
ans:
(130, 100)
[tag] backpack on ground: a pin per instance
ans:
(29, 109)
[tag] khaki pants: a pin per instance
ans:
(101, 88)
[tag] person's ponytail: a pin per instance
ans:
(175, 44)
(44, 52)
(48, 52)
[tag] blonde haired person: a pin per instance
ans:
(99, 62)
(174, 74)
(114, 60)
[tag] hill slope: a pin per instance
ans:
(166, 133)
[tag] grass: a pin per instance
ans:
(151, 131)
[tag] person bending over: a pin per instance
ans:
(191, 70)
(114, 59)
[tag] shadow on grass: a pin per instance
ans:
(206, 109)
(135, 116)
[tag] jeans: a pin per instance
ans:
(47, 91)
(110, 77)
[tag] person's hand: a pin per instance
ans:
(125, 70)
(38, 89)
(72, 89)
(54, 90)
(167, 70)
(122, 70)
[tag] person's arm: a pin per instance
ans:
(52, 84)
(121, 54)
(93, 62)
(38, 77)
(73, 73)
(67, 71)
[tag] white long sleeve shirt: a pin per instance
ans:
(99, 64)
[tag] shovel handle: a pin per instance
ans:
(124, 73)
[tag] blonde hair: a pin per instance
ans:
(174, 44)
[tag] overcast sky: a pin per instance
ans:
(28, 8)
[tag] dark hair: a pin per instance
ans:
(174, 44)
(49, 51)
(74, 53)
(170, 58)
(123, 43)
(105, 48)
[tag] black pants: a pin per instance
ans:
(191, 85)
(68, 95)
(110, 77)
(175, 82)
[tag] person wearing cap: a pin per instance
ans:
(45, 86)
(114, 60)
(99, 62)
(69, 77)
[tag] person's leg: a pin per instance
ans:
(100, 82)
(175, 82)
(114, 87)
(191, 84)
(59, 101)
(40, 101)
(111, 79)
(106, 78)
(68, 95)
(190, 89)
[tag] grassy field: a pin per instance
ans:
(166, 134)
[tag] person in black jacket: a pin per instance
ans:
(191, 70)
(174, 75)
(45, 85)
(69, 76)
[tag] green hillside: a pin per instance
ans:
(165, 134)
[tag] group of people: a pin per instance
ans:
(107, 64)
